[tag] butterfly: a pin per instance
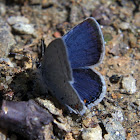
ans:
(68, 65)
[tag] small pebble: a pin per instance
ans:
(24, 28)
(7, 61)
(118, 115)
(108, 137)
(118, 47)
(9, 79)
(114, 79)
(6, 38)
(124, 25)
(129, 84)
(114, 128)
(69, 136)
(92, 133)
(50, 106)
(16, 19)
(3, 136)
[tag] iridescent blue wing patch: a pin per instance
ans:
(89, 85)
(85, 44)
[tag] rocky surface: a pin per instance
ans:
(117, 116)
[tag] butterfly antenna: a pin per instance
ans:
(43, 47)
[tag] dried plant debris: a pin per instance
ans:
(26, 118)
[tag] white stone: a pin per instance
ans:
(118, 115)
(16, 19)
(114, 129)
(129, 84)
(92, 133)
(24, 28)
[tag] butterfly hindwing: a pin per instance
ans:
(89, 85)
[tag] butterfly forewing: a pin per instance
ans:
(85, 44)
(57, 75)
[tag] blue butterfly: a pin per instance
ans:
(68, 67)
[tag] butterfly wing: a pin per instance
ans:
(90, 86)
(85, 44)
(57, 75)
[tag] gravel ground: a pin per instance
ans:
(23, 24)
